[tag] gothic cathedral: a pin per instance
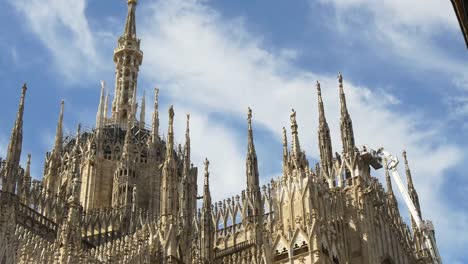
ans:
(121, 193)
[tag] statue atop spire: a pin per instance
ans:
(296, 148)
(324, 139)
(170, 134)
(10, 173)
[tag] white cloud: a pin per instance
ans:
(63, 28)
(408, 29)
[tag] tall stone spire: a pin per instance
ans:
(390, 194)
(411, 190)
(155, 125)
(127, 58)
(130, 24)
(207, 227)
(346, 124)
(14, 148)
(252, 165)
(52, 176)
(255, 210)
(143, 110)
(296, 148)
(169, 183)
(324, 139)
(101, 107)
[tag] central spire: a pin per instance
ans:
(127, 58)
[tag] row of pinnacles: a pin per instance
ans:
(121, 193)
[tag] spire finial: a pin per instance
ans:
(130, 25)
(249, 117)
(408, 171)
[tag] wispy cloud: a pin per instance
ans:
(63, 29)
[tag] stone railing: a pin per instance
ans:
(236, 248)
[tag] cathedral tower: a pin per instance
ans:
(127, 58)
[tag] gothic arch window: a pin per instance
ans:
(107, 153)
(229, 221)
(127, 72)
(335, 260)
(117, 153)
(387, 260)
(143, 157)
(124, 114)
(220, 224)
(237, 219)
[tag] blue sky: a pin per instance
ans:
(404, 63)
